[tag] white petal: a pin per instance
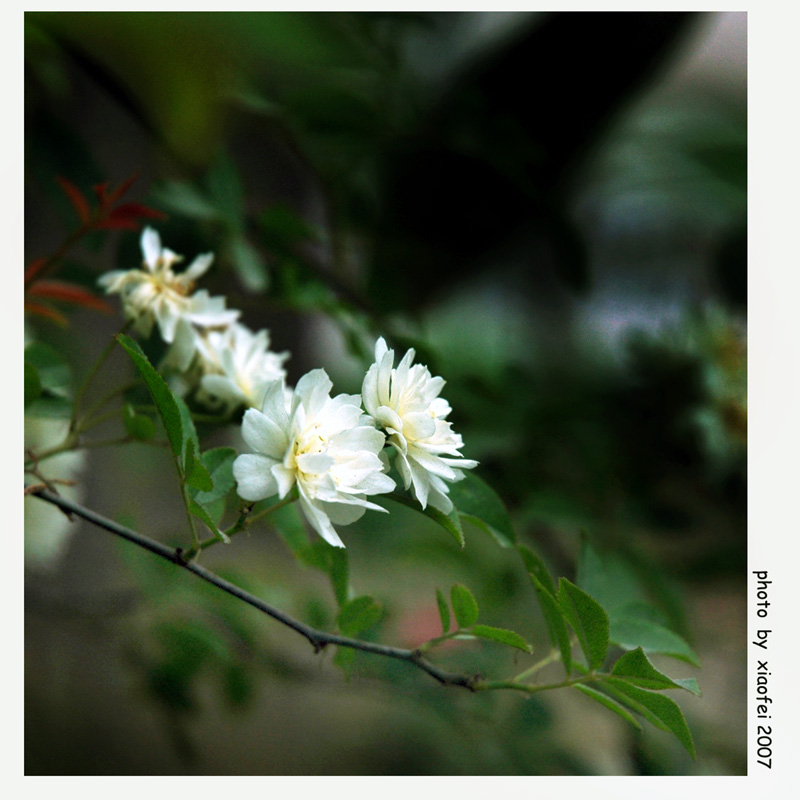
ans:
(418, 425)
(342, 514)
(314, 463)
(440, 501)
(361, 438)
(167, 316)
(254, 477)
(199, 266)
(319, 521)
(312, 390)
(401, 377)
(430, 463)
(369, 390)
(377, 483)
(151, 247)
(389, 418)
(263, 435)
(419, 479)
(183, 345)
(380, 348)
(404, 469)
(285, 479)
(384, 377)
(274, 404)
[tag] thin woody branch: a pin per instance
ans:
(319, 639)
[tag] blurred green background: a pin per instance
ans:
(552, 209)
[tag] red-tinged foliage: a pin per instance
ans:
(126, 216)
(33, 269)
(44, 310)
(108, 200)
(104, 215)
(79, 202)
(69, 293)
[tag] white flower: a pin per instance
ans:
(325, 446)
(405, 402)
(47, 528)
(157, 294)
(238, 366)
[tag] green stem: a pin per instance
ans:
(73, 443)
(90, 423)
(290, 498)
(555, 655)
(425, 646)
(70, 443)
(91, 374)
(243, 520)
(533, 688)
(189, 516)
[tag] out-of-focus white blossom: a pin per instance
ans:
(325, 446)
(157, 294)
(237, 366)
(47, 528)
(405, 402)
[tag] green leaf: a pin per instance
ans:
(608, 578)
(138, 426)
(203, 515)
(503, 636)
(165, 401)
(450, 522)
(609, 703)
(358, 615)
(289, 524)
(33, 384)
(477, 502)
(652, 638)
(330, 560)
(617, 585)
(659, 709)
(219, 464)
(249, 264)
(444, 611)
(690, 684)
(186, 200)
(588, 620)
(237, 684)
(52, 369)
(340, 573)
(537, 567)
(554, 619)
(465, 606)
(194, 471)
(634, 666)
(187, 427)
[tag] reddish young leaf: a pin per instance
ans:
(32, 270)
(126, 216)
(46, 311)
(100, 191)
(121, 189)
(79, 202)
(69, 293)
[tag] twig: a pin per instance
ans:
(318, 639)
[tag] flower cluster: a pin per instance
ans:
(331, 451)
(334, 452)
(210, 350)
